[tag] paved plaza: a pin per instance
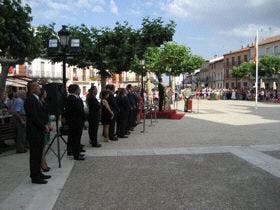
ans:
(224, 155)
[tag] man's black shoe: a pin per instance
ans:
(114, 139)
(128, 132)
(82, 155)
(43, 176)
(96, 145)
(82, 150)
(123, 137)
(79, 158)
(22, 151)
(39, 181)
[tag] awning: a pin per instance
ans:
(18, 81)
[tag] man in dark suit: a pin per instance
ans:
(93, 116)
(122, 118)
(36, 127)
(133, 107)
(114, 106)
(160, 94)
(75, 117)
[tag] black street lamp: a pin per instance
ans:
(142, 62)
(142, 78)
(64, 42)
(64, 46)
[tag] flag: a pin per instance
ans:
(255, 50)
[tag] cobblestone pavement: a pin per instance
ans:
(226, 135)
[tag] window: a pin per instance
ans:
(227, 62)
(42, 69)
(239, 85)
(239, 60)
(232, 85)
(267, 50)
(75, 76)
(227, 73)
(276, 50)
(84, 74)
(245, 58)
(233, 61)
(227, 85)
(92, 73)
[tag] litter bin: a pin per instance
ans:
(189, 107)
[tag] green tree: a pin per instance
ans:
(17, 40)
(270, 65)
(154, 32)
(177, 59)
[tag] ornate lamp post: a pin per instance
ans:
(64, 46)
(64, 42)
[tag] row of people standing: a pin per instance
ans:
(120, 112)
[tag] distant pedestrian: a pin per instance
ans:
(161, 93)
(20, 122)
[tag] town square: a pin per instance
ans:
(169, 104)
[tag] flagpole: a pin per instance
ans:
(257, 68)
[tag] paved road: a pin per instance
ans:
(224, 155)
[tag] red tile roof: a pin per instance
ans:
(261, 42)
(238, 51)
(270, 40)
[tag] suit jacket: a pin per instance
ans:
(113, 103)
(93, 107)
(131, 99)
(74, 112)
(35, 119)
(123, 103)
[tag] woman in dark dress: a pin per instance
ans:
(106, 115)
(43, 97)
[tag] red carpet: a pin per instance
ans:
(168, 114)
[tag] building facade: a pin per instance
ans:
(235, 58)
(269, 46)
(216, 72)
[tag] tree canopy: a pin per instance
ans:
(17, 41)
(171, 58)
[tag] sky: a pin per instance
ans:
(208, 27)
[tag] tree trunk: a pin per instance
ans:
(4, 75)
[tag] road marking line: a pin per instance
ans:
(259, 159)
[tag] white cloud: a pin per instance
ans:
(58, 6)
(98, 9)
(249, 31)
(113, 7)
(178, 8)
